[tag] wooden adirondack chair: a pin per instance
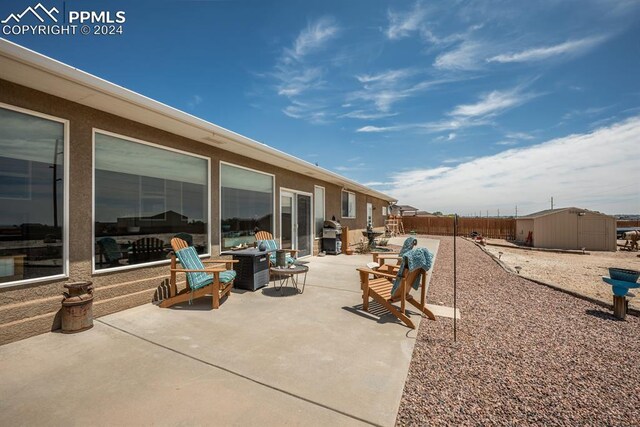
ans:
(147, 249)
(109, 252)
(265, 235)
(217, 288)
(378, 286)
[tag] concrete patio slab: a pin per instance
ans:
(264, 357)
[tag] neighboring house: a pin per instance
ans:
(403, 210)
(82, 159)
(568, 228)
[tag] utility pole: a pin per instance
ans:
(516, 211)
(487, 213)
(498, 213)
(551, 202)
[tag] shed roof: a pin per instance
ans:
(34, 70)
(557, 210)
(405, 208)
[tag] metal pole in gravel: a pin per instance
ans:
(455, 279)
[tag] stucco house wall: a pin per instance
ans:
(31, 309)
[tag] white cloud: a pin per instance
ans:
(194, 101)
(364, 115)
(357, 167)
(493, 103)
(457, 160)
(375, 129)
(296, 73)
(312, 38)
(428, 127)
(296, 81)
(520, 135)
(466, 115)
(597, 170)
(387, 88)
(388, 77)
(402, 24)
(587, 112)
(508, 142)
(466, 56)
(572, 47)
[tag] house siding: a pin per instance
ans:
(27, 310)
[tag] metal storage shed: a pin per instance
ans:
(568, 228)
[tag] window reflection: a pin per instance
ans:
(319, 210)
(32, 195)
(246, 205)
(145, 196)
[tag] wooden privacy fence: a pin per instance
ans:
(628, 223)
(495, 228)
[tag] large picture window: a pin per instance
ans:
(246, 204)
(32, 197)
(144, 196)
(348, 204)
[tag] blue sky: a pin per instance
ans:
(450, 106)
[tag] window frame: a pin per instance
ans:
(318, 236)
(273, 214)
(355, 207)
(65, 205)
(95, 131)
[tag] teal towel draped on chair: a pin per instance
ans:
(413, 259)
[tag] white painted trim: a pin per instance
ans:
(287, 193)
(94, 131)
(65, 205)
(154, 111)
(273, 213)
(355, 204)
(18, 283)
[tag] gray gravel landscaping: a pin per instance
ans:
(526, 354)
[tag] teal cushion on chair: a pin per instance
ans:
(190, 260)
(272, 246)
(227, 276)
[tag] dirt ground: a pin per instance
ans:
(578, 273)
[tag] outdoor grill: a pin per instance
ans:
(332, 237)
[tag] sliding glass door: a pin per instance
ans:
(295, 222)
